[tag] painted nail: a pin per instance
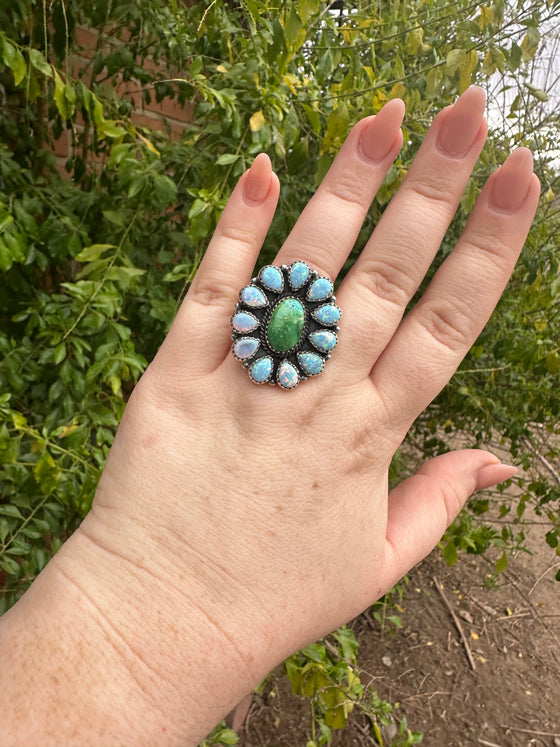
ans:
(493, 474)
(462, 124)
(511, 181)
(378, 138)
(257, 180)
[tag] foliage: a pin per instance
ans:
(97, 253)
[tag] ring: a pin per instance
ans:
(285, 324)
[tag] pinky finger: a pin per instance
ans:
(200, 337)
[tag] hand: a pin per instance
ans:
(238, 522)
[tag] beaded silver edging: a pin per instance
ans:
(253, 313)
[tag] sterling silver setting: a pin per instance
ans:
(285, 325)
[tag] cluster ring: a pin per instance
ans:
(285, 324)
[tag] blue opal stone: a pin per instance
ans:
(260, 370)
(244, 322)
(272, 278)
(311, 363)
(299, 274)
(320, 289)
(253, 297)
(324, 340)
(328, 314)
(287, 376)
(245, 347)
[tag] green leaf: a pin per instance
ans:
(227, 158)
(292, 26)
(552, 363)
(337, 123)
(14, 60)
(93, 252)
(8, 510)
(502, 563)
(9, 565)
(450, 553)
(40, 63)
(46, 473)
(538, 93)
(413, 41)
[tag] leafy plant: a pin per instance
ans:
(97, 252)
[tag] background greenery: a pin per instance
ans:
(95, 261)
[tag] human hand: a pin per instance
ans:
(257, 520)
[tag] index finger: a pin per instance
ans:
(435, 336)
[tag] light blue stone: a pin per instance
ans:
(320, 289)
(245, 347)
(272, 278)
(328, 314)
(260, 370)
(287, 375)
(253, 297)
(299, 274)
(324, 340)
(311, 363)
(244, 322)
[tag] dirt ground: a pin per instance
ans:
(506, 695)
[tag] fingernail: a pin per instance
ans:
(510, 183)
(493, 474)
(378, 138)
(257, 180)
(462, 124)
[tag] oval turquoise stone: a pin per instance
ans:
(286, 325)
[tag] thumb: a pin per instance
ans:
(423, 506)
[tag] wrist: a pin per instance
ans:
(189, 642)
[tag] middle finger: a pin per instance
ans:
(390, 268)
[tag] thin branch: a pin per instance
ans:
(457, 624)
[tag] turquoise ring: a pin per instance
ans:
(285, 325)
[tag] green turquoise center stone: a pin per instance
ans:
(286, 325)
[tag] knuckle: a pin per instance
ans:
(437, 192)
(451, 498)
(490, 248)
(349, 191)
(386, 281)
(237, 234)
(448, 325)
(220, 293)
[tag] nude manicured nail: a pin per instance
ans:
(493, 474)
(511, 181)
(462, 124)
(257, 181)
(378, 138)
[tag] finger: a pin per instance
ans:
(433, 339)
(389, 270)
(200, 337)
(329, 225)
(422, 507)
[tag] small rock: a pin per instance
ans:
(387, 661)
(466, 615)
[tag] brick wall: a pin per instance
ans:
(168, 115)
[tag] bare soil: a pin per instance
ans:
(497, 686)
